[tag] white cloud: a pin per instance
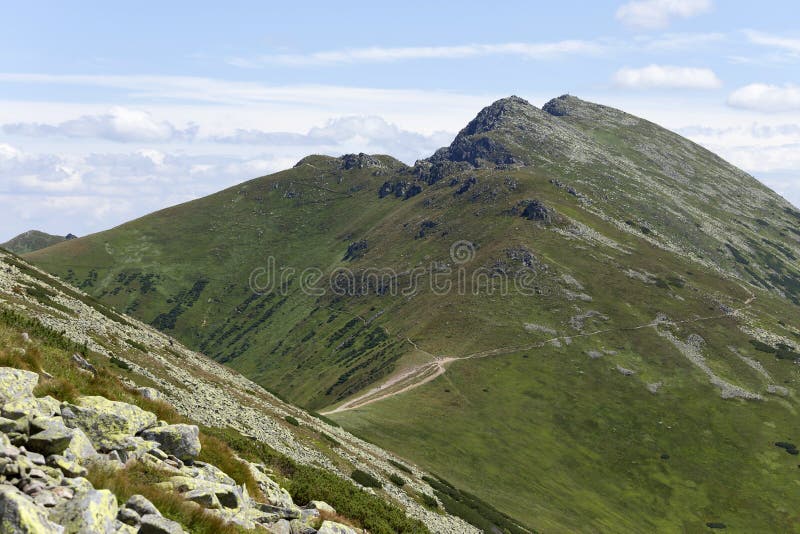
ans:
(767, 98)
(667, 77)
(681, 41)
(384, 55)
(764, 39)
(119, 124)
(349, 134)
(650, 14)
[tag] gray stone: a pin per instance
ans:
(31, 407)
(141, 505)
(180, 440)
(83, 363)
(91, 511)
(35, 457)
(69, 468)
(106, 423)
(53, 440)
(80, 448)
(204, 497)
(20, 515)
(17, 425)
(129, 516)
(281, 526)
(150, 393)
(16, 383)
(330, 527)
(322, 506)
(155, 524)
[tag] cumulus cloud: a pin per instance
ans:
(667, 77)
(85, 193)
(119, 124)
(348, 134)
(651, 14)
(547, 50)
(767, 98)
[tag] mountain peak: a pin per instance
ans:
(498, 113)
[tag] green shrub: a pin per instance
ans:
(397, 480)
(429, 501)
(365, 479)
(291, 420)
(135, 344)
(122, 364)
(400, 466)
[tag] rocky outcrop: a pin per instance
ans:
(46, 450)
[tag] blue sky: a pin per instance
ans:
(108, 112)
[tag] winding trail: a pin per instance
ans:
(418, 375)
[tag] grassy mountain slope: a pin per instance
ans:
(616, 348)
(32, 240)
(44, 323)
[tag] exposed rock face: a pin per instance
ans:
(359, 161)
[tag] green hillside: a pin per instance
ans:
(574, 314)
(33, 240)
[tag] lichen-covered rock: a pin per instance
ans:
(129, 517)
(330, 527)
(69, 468)
(276, 495)
(156, 524)
(80, 448)
(182, 441)
(31, 407)
(141, 505)
(18, 425)
(107, 423)
(20, 515)
(204, 497)
(53, 439)
(150, 393)
(208, 472)
(16, 383)
(281, 526)
(92, 511)
(322, 506)
(228, 496)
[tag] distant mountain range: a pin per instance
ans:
(578, 316)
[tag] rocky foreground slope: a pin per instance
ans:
(47, 445)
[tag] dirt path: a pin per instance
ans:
(418, 375)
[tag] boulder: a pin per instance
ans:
(16, 383)
(182, 441)
(80, 448)
(106, 423)
(208, 472)
(128, 517)
(322, 506)
(204, 497)
(54, 439)
(17, 425)
(150, 393)
(156, 524)
(330, 527)
(141, 505)
(281, 526)
(228, 496)
(31, 407)
(89, 511)
(69, 468)
(20, 515)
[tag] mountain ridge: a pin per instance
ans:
(627, 287)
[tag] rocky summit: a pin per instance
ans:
(579, 320)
